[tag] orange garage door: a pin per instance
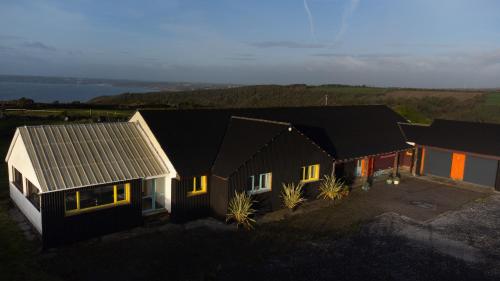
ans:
(457, 166)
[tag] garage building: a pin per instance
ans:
(461, 151)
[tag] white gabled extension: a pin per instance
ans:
(172, 173)
(18, 158)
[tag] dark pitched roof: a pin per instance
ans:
(192, 138)
(481, 138)
(244, 137)
(412, 132)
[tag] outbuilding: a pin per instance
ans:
(458, 150)
(81, 180)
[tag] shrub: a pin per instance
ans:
(292, 195)
(240, 210)
(332, 189)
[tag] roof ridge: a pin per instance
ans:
(71, 124)
(414, 124)
(265, 107)
(465, 121)
(260, 120)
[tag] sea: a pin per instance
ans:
(62, 90)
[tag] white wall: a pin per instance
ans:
(172, 173)
(18, 158)
(33, 215)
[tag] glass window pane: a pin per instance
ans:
(120, 192)
(268, 180)
(89, 198)
(96, 197)
(160, 193)
(107, 195)
(18, 180)
(70, 201)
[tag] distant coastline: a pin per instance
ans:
(70, 89)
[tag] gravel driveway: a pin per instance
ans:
(471, 233)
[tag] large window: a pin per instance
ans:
(97, 198)
(199, 185)
(18, 179)
(310, 173)
(33, 194)
(260, 183)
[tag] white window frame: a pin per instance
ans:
(264, 183)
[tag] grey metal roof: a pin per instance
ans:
(75, 155)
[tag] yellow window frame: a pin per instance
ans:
(115, 203)
(203, 190)
(310, 173)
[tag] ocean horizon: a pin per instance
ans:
(62, 89)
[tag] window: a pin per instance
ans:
(199, 185)
(260, 183)
(18, 179)
(33, 194)
(97, 198)
(310, 173)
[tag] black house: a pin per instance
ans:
(215, 152)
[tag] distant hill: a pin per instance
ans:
(418, 105)
(152, 85)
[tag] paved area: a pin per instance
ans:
(420, 199)
(416, 198)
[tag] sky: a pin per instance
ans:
(406, 43)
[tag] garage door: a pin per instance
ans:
(480, 170)
(437, 162)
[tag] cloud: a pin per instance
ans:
(10, 37)
(311, 20)
(5, 48)
(287, 44)
(240, 58)
(348, 11)
(38, 45)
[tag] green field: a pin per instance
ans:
(75, 113)
(493, 99)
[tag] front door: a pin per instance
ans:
(457, 166)
(153, 195)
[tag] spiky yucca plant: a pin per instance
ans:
(331, 188)
(292, 195)
(240, 210)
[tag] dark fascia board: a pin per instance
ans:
(494, 157)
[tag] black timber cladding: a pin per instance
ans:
(60, 229)
(437, 162)
(284, 157)
(192, 138)
(480, 170)
(497, 184)
(186, 207)
(219, 196)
